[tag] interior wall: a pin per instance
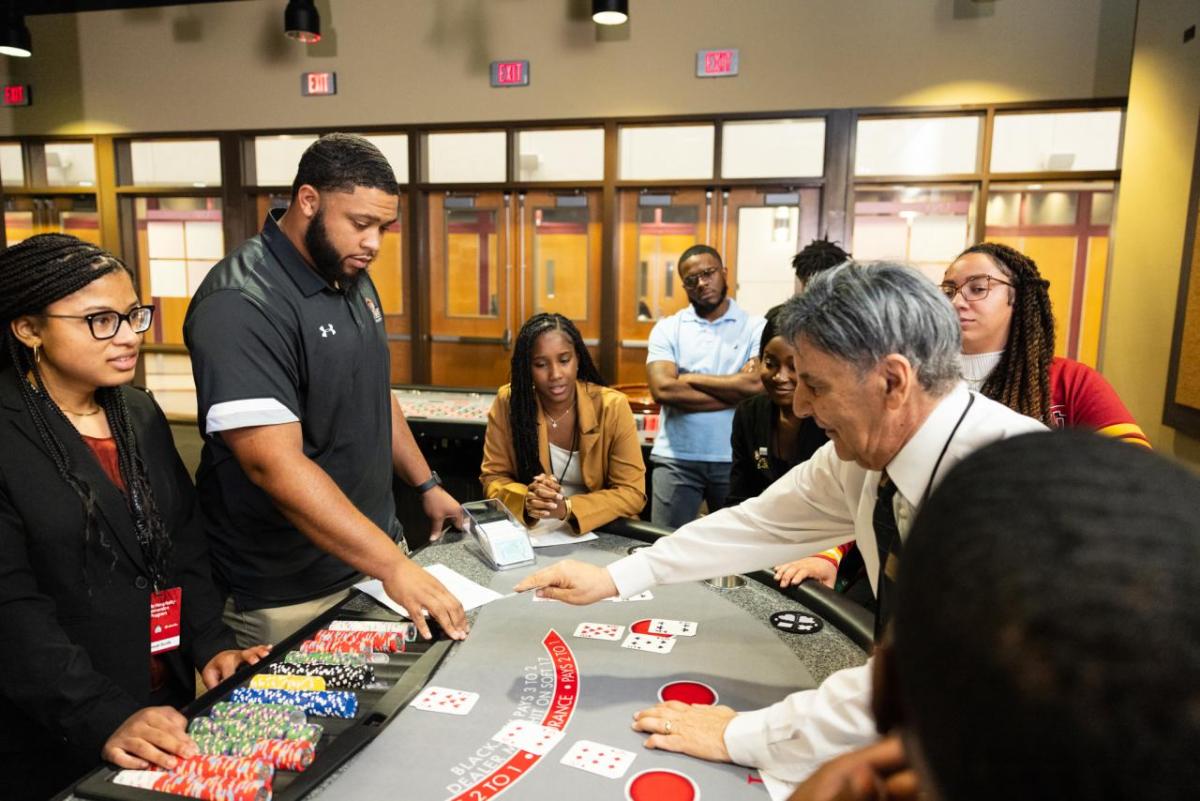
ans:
(227, 65)
(1160, 144)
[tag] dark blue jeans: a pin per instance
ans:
(681, 484)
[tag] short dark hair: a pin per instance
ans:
(697, 250)
(341, 162)
(1047, 630)
(818, 256)
(771, 329)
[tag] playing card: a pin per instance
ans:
(537, 599)
(683, 628)
(443, 699)
(603, 760)
(599, 631)
(645, 595)
(649, 642)
(527, 736)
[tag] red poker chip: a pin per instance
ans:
(689, 692)
(662, 785)
(643, 627)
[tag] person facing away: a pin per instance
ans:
(700, 364)
(877, 353)
(98, 530)
(561, 450)
(301, 431)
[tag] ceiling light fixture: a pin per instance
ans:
(14, 34)
(302, 22)
(610, 12)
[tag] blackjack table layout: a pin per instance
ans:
(536, 703)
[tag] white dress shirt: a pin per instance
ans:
(819, 504)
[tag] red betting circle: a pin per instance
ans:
(643, 627)
(662, 785)
(689, 692)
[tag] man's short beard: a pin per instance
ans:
(703, 309)
(326, 260)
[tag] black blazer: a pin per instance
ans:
(754, 423)
(74, 615)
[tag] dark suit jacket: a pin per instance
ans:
(74, 615)
(753, 470)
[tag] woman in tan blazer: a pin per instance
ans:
(561, 451)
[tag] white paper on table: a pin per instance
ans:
(778, 789)
(545, 539)
(468, 593)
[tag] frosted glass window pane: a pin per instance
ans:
(168, 278)
(70, 164)
(773, 148)
(205, 240)
(165, 240)
(476, 157)
(12, 165)
(917, 146)
(196, 271)
(768, 237)
(1073, 140)
(176, 162)
(562, 155)
(276, 158)
(666, 151)
(395, 149)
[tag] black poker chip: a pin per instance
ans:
(797, 622)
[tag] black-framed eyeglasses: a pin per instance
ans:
(105, 324)
(974, 288)
(692, 281)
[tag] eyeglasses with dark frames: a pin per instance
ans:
(974, 288)
(692, 281)
(105, 324)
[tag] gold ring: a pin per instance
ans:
(667, 727)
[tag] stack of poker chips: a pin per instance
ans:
(324, 658)
(241, 728)
(327, 704)
(300, 679)
(403, 628)
(255, 710)
(223, 767)
(206, 788)
(283, 754)
(342, 677)
(385, 642)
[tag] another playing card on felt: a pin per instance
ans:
(599, 631)
(649, 642)
(644, 595)
(603, 760)
(528, 736)
(444, 699)
(682, 628)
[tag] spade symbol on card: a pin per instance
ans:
(682, 628)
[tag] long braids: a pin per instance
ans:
(522, 404)
(1021, 379)
(39, 271)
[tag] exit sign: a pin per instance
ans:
(510, 73)
(317, 84)
(16, 94)
(716, 63)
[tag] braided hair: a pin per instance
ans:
(1021, 380)
(522, 404)
(818, 256)
(36, 273)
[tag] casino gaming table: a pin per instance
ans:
(525, 662)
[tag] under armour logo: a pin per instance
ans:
(327, 331)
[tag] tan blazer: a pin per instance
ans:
(610, 456)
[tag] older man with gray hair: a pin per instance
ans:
(877, 352)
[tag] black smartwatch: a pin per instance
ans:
(434, 480)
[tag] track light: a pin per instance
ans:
(302, 22)
(14, 34)
(610, 12)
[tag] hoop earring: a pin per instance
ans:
(37, 354)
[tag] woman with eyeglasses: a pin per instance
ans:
(99, 546)
(1003, 306)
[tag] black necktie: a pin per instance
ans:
(887, 542)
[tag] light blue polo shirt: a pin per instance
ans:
(720, 347)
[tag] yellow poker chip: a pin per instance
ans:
(268, 681)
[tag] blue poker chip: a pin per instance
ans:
(796, 622)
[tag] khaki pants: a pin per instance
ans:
(272, 625)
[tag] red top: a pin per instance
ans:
(1081, 397)
(106, 453)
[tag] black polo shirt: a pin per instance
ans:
(272, 342)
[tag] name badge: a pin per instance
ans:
(164, 619)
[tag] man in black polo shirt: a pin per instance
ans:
(301, 431)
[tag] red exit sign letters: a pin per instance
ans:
(318, 84)
(510, 73)
(716, 63)
(16, 94)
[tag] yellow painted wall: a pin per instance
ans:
(1160, 143)
(228, 65)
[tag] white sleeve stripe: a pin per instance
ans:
(247, 413)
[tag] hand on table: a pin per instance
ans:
(878, 772)
(440, 506)
(226, 663)
(544, 499)
(693, 729)
(571, 581)
(416, 590)
(152, 737)
(814, 567)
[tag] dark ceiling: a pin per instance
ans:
(73, 6)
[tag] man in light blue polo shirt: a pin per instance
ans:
(700, 365)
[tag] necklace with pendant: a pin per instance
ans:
(554, 420)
